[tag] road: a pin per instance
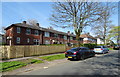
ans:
(102, 64)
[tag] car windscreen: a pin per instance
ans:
(98, 47)
(75, 49)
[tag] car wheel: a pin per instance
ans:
(93, 54)
(82, 57)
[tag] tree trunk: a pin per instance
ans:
(78, 39)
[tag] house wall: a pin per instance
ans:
(12, 32)
(89, 40)
(23, 36)
(99, 41)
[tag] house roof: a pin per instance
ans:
(87, 36)
(39, 28)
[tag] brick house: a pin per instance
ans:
(87, 38)
(25, 34)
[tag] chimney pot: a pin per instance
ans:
(37, 24)
(68, 32)
(24, 22)
(72, 33)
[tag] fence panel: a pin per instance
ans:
(31, 50)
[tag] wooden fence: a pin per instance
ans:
(7, 52)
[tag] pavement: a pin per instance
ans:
(105, 64)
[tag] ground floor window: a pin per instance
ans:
(47, 42)
(18, 40)
(28, 40)
(36, 42)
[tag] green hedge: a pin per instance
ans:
(89, 45)
(52, 44)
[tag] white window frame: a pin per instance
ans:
(18, 29)
(36, 41)
(47, 41)
(71, 38)
(18, 40)
(65, 37)
(47, 34)
(36, 32)
(28, 40)
(28, 31)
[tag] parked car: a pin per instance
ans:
(101, 49)
(116, 47)
(79, 53)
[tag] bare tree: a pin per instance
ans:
(32, 22)
(102, 27)
(76, 14)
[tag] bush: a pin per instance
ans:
(51, 44)
(91, 46)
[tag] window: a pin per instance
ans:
(36, 42)
(28, 40)
(18, 29)
(47, 42)
(47, 34)
(65, 37)
(36, 32)
(74, 38)
(18, 40)
(71, 38)
(28, 31)
(55, 35)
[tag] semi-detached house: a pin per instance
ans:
(25, 34)
(87, 38)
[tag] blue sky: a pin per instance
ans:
(16, 12)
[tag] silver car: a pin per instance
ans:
(101, 49)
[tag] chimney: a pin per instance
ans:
(68, 32)
(72, 33)
(37, 24)
(88, 33)
(24, 22)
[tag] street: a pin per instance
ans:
(102, 64)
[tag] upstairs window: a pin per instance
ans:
(47, 34)
(74, 38)
(18, 29)
(65, 37)
(71, 38)
(28, 31)
(18, 40)
(36, 32)
(56, 35)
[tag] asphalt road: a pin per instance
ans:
(102, 64)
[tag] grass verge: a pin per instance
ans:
(7, 66)
(53, 57)
(110, 48)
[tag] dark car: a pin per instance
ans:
(79, 53)
(116, 47)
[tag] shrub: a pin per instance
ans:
(89, 45)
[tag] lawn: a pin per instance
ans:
(7, 66)
(53, 57)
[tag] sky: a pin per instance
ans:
(16, 12)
